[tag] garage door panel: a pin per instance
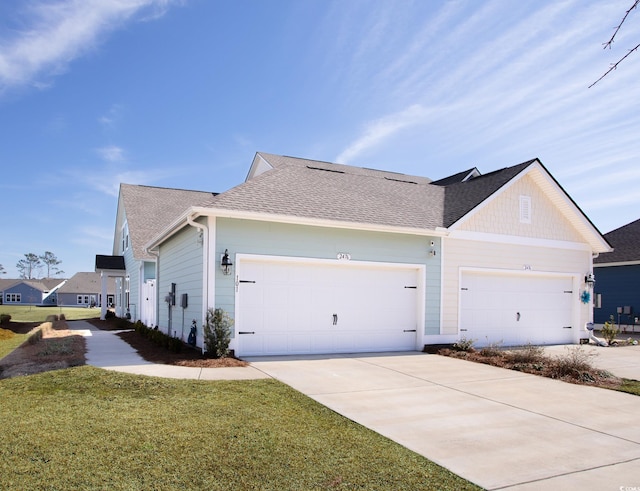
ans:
(516, 309)
(298, 303)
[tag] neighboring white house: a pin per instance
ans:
(329, 258)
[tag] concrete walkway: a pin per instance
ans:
(107, 350)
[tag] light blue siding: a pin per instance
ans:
(278, 239)
(181, 263)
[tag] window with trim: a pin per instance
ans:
(525, 209)
(13, 297)
(83, 299)
(125, 237)
(597, 301)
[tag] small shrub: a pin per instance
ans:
(110, 314)
(527, 354)
(609, 330)
(575, 364)
(51, 318)
(62, 317)
(464, 344)
(5, 318)
(217, 333)
(492, 349)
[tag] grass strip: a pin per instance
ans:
(9, 344)
(32, 313)
(86, 428)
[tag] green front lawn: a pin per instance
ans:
(86, 428)
(10, 342)
(31, 313)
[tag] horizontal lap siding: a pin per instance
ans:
(277, 239)
(476, 254)
(619, 287)
(181, 263)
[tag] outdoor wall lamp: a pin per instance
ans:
(225, 263)
(589, 280)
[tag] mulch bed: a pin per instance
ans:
(147, 349)
(187, 357)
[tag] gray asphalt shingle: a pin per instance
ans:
(625, 242)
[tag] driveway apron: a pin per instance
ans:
(497, 428)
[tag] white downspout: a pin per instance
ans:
(156, 314)
(205, 266)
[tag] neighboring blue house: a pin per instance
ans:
(84, 290)
(617, 288)
(30, 292)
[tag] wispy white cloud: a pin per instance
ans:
(56, 33)
(111, 117)
(111, 153)
(382, 129)
(503, 75)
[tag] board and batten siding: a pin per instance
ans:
(181, 262)
(508, 257)
(290, 240)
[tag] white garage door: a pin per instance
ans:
(516, 309)
(296, 308)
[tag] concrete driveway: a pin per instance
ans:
(497, 428)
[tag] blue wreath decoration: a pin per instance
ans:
(585, 296)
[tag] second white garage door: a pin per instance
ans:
(516, 309)
(286, 307)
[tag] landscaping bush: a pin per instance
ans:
(575, 364)
(492, 349)
(609, 330)
(217, 333)
(158, 337)
(464, 344)
(5, 318)
(527, 354)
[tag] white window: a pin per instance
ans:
(124, 233)
(597, 301)
(13, 297)
(525, 209)
(83, 299)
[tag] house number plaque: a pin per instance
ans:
(344, 256)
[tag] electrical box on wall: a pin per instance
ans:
(184, 300)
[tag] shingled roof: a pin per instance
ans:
(625, 242)
(150, 209)
(326, 191)
(87, 282)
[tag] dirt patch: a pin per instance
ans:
(57, 348)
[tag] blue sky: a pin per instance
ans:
(183, 93)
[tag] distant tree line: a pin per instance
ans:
(32, 264)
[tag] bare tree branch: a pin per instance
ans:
(610, 42)
(615, 65)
